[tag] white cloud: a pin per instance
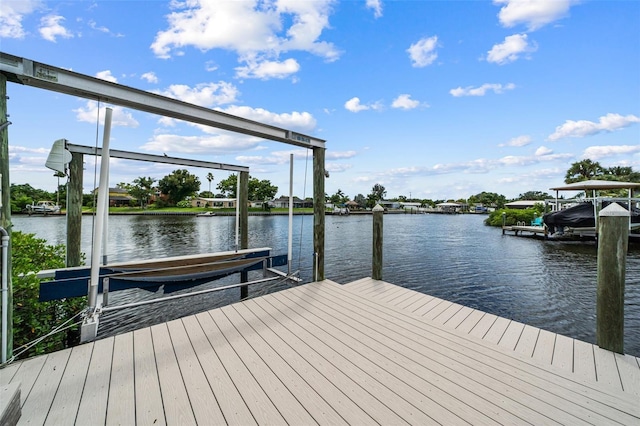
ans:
(422, 53)
(510, 49)
(582, 128)
(376, 6)
(106, 75)
(533, 13)
(523, 140)
(282, 157)
(204, 94)
(543, 150)
(354, 105)
(268, 69)
(337, 167)
(303, 121)
(11, 15)
(204, 144)
(598, 152)
(404, 101)
(257, 31)
(51, 27)
(339, 155)
(150, 77)
(482, 90)
(119, 117)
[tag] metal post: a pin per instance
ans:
(5, 295)
(290, 240)
(613, 242)
(5, 213)
(378, 213)
(242, 222)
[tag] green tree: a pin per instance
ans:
(583, 170)
(179, 185)
(488, 199)
(59, 175)
(623, 174)
(23, 194)
(377, 194)
(31, 318)
(259, 190)
(339, 197)
(360, 199)
(534, 195)
(142, 189)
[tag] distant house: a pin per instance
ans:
(219, 203)
(283, 203)
(523, 204)
(389, 204)
(118, 197)
(450, 207)
(410, 206)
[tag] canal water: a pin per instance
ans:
(547, 284)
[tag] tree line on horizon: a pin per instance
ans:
(180, 185)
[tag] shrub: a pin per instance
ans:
(184, 204)
(512, 217)
(31, 318)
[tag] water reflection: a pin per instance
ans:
(548, 284)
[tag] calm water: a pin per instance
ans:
(547, 284)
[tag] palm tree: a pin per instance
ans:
(583, 170)
(210, 179)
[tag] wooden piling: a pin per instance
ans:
(613, 243)
(74, 210)
(376, 273)
(319, 173)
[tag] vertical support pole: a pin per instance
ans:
(290, 233)
(613, 243)
(74, 210)
(5, 214)
(378, 212)
(318, 212)
(243, 220)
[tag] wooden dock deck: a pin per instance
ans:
(364, 353)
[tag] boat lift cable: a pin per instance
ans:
(304, 197)
(60, 328)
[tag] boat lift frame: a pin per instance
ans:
(28, 72)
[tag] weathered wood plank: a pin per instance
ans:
(149, 408)
(36, 407)
(177, 407)
(92, 409)
(204, 403)
(231, 403)
(7, 373)
(67, 400)
(121, 407)
(10, 410)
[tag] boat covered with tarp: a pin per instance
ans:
(581, 216)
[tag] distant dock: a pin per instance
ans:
(367, 352)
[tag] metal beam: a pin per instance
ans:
(127, 155)
(36, 74)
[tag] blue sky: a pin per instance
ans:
(431, 99)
